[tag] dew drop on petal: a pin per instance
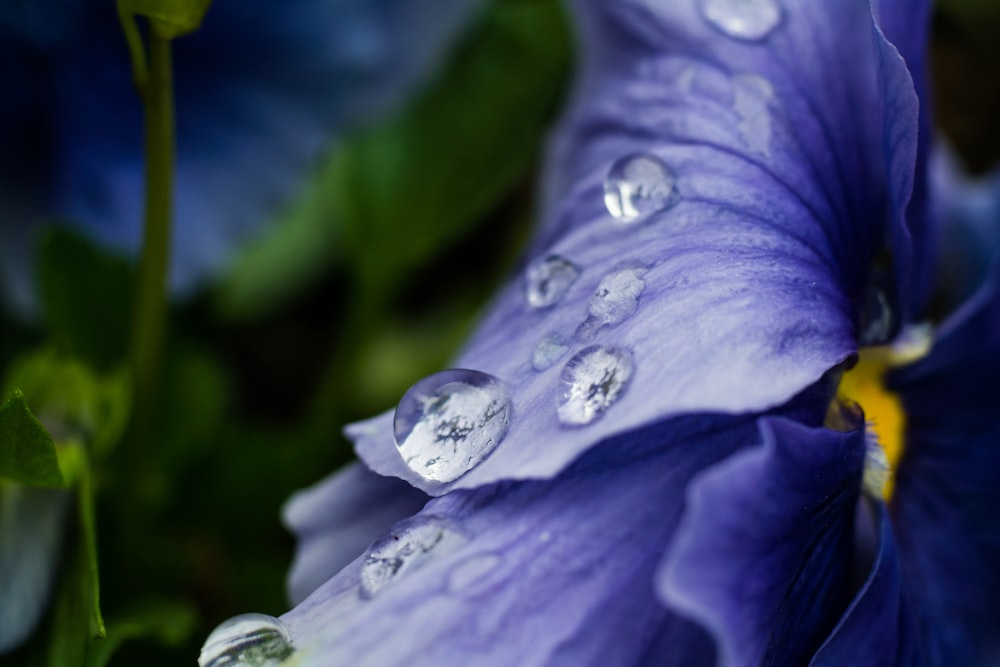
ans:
(750, 20)
(637, 185)
(247, 640)
(408, 546)
(547, 280)
(593, 380)
(617, 296)
(447, 423)
(548, 351)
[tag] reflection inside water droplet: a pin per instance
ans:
(593, 380)
(248, 640)
(547, 280)
(637, 185)
(447, 423)
(750, 20)
(406, 547)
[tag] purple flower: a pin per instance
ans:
(261, 91)
(735, 203)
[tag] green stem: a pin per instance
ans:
(150, 309)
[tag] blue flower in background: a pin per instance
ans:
(662, 482)
(261, 90)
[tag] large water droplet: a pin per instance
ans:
(450, 421)
(593, 380)
(637, 185)
(548, 351)
(750, 20)
(548, 279)
(247, 640)
(406, 547)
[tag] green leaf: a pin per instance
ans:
(413, 186)
(73, 398)
(27, 452)
(170, 18)
(87, 297)
(393, 197)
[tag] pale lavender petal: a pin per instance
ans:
(337, 518)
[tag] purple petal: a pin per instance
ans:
(336, 519)
(762, 558)
(946, 504)
(878, 630)
(785, 155)
(31, 525)
(261, 90)
(967, 212)
(546, 572)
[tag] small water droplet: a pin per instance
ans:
(247, 640)
(548, 351)
(547, 280)
(617, 296)
(473, 575)
(750, 20)
(406, 547)
(447, 423)
(637, 185)
(593, 380)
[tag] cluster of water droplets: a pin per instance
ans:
(407, 547)
(248, 640)
(748, 20)
(447, 423)
(592, 381)
(547, 280)
(638, 185)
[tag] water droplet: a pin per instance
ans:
(447, 423)
(750, 20)
(406, 547)
(617, 296)
(473, 575)
(548, 351)
(548, 279)
(637, 185)
(593, 380)
(247, 640)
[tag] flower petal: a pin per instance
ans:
(260, 91)
(548, 572)
(946, 504)
(31, 530)
(762, 558)
(337, 518)
(748, 287)
(967, 212)
(878, 630)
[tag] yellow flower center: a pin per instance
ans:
(885, 419)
